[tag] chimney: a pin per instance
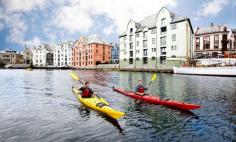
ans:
(212, 24)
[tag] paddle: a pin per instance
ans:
(154, 77)
(76, 77)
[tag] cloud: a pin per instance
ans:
(109, 30)
(22, 5)
(212, 8)
(17, 28)
(78, 15)
(73, 18)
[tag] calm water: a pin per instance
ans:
(40, 106)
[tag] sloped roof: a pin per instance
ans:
(210, 29)
(150, 21)
(96, 39)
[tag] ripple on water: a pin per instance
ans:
(40, 106)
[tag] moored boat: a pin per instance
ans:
(214, 71)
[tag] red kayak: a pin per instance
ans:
(156, 100)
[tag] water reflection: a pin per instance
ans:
(40, 106)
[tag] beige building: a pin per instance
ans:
(213, 41)
(11, 57)
(28, 55)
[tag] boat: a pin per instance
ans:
(97, 104)
(156, 100)
(212, 71)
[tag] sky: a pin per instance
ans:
(32, 22)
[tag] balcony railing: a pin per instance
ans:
(163, 53)
(163, 43)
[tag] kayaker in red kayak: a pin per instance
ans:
(86, 91)
(140, 89)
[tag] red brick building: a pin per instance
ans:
(90, 51)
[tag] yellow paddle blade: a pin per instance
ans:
(154, 77)
(74, 75)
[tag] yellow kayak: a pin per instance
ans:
(98, 104)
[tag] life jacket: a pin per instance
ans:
(141, 89)
(86, 93)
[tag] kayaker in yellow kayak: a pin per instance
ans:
(87, 92)
(140, 89)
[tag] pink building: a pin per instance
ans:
(90, 51)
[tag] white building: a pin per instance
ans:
(161, 40)
(43, 55)
(213, 41)
(63, 54)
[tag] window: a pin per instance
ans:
(174, 47)
(163, 41)
(130, 60)
(144, 34)
(145, 44)
(144, 52)
(197, 43)
(153, 41)
(206, 42)
(162, 59)
(137, 51)
(145, 60)
(137, 34)
(173, 26)
(163, 30)
(154, 49)
(137, 43)
(131, 53)
(216, 41)
(131, 46)
(174, 37)
(163, 22)
(130, 37)
(131, 30)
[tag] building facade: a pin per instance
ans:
(115, 52)
(213, 41)
(11, 57)
(90, 51)
(162, 40)
(43, 55)
(63, 54)
(28, 55)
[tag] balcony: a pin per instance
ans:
(163, 43)
(163, 33)
(163, 53)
